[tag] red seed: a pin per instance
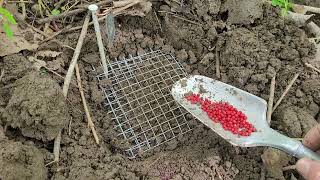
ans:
(228, 116)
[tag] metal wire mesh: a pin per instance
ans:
(140, 102)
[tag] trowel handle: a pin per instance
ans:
(289, 145)
(303, 151)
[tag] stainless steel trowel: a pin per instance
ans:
(254, 107)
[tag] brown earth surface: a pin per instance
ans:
(252, 48)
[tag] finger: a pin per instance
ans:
(312, 138)
(309, 169)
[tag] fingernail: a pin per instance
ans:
(303, 166)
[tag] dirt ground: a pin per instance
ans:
(252, 43)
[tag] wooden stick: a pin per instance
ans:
(86, 109)
(2, 74)
(75, 56)
(312, 67)
(286, 91)
(57, 140)
(271, 97)
(217, 54)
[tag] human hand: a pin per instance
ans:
(310, 169)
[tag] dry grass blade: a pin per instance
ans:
(271, 97)
(286, 91)
(86, 109)
(75, 56)
(1, 75)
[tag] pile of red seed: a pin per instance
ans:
(228, 116)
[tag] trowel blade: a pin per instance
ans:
(254, 107)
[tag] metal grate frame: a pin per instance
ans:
(140, 102)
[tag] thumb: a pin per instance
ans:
(309, 169)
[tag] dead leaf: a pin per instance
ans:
(37, 64)
(48, 53)
(16, 44)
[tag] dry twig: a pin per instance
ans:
(86, 109)
(58, 75)
(217, 54)
(56, 149)
(2, 74)
(75, 55)
(71, 13)
(47, 36)
(271, 97)
(286, 91)
(55, 34)
(181, 18)
(312, 67)
(289, 168)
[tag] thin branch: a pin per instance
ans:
(286, 91)
(271, 97)
(86, 109)
(75, 55)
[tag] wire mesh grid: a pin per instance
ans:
(140, 102)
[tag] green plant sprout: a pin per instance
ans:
(285, 6)
(6, 18)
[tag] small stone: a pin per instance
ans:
(274, 160)
(313, 109)
(182, 55)
(177, 177)
(147, 43)
(228, 164)
(206, 59)
(299, 93)
(140, 51)
(192, 57)
(212, 34)
(167, 49)
(262, 64)
(82, 140)
(182, 169)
